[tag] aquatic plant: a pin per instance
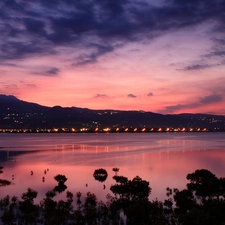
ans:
(61, 179)
(4, 182)
(100, 175)
(116, 170)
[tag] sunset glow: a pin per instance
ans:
(160, 56)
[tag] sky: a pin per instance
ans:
(163, 56)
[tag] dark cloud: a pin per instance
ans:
(211, 99)
(113, 8)
(201, 66)
(21, 50)
(9, 64)
(37, 27)
(100, 96)
(173, 108)
(219, 41)
(53, 71)
(34, 26)
(204, 101)
(72, 26)
(196, 67)
(215, 53)
(131, 96)
(97, 49)
(150, 94)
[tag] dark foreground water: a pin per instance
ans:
(163, 159)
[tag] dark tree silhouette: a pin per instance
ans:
(132, 199)
(203, 183)
(9, 207)
(61, 179)
(4, 182)
(28, 211)
(100, 175)
(1, 167)
(116, 170)
(203, 202)
(136, 189)
(90, 209)
(120, 179)
(57, 213)
(60, 188)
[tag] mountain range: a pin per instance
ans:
(18, 114)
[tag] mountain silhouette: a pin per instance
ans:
(15, 113)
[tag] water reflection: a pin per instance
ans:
(162, 160)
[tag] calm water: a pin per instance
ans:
(162, 159)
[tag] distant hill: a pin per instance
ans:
(15, 114)
(9, 103)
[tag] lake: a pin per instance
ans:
(163, 159)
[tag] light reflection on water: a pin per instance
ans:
(162, 159)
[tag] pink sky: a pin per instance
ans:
(121, 55)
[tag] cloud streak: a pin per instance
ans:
(203, 101)
(101, 96)
(131, 96)
(150, 94)
(197, 67)
(51, 72)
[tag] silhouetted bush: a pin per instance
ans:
(61, 179)
(100, 175)
(60, 188)
(4, 182)
(120, 179)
